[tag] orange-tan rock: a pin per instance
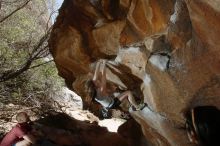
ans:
(166, 52)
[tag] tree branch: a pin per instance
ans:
(0, 4)
(51, 14)
(10, 74)
(19, 8)
(41, 41)
(38, 49)
(40, 64)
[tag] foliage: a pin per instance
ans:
(28, 76)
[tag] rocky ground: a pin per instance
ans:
(69, 104)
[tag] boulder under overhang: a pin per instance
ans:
(165, 51)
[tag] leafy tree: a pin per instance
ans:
(27, 72)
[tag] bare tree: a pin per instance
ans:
(39, 51)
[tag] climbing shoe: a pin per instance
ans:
(140, 107)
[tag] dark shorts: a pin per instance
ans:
(116, 103)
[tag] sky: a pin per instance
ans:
(58, 4)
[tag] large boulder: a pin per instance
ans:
(165, 51)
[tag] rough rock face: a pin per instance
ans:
(165, 51)
(64, 130)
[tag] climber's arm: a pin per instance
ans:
(103, 78)
(97, 72)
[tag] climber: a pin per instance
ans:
(203, 125)
(97, 90)
(20, 134)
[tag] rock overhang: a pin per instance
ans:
(132, 34)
